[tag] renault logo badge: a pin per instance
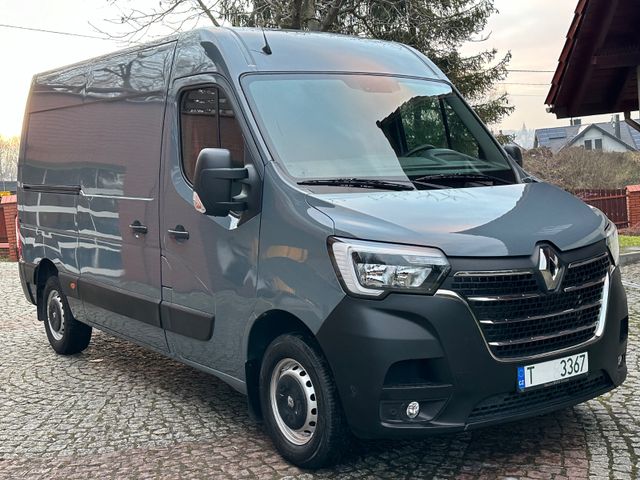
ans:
(550, 267)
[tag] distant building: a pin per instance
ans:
(523, 137)
(614, 136)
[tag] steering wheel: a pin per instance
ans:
(419, 148)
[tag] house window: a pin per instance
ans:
(587, 145)
(208, 121)
(598, 144)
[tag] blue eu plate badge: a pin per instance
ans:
(521, 384)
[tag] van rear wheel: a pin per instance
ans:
(300, 404)
(66, 334)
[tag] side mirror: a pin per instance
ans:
(514, 152)
(214, 183)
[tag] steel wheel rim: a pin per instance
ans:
(285, 371)
(55, 315)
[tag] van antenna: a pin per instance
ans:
(266, 48)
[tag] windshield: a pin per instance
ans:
(324, 126)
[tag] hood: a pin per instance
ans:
(505, 220)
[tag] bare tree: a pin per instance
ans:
(9, 149)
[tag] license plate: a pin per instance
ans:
(552, 371)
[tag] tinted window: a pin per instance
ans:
(207, 120)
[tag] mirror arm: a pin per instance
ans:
(237, 205)
(241, 201)
(228, 173)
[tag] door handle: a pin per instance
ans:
(138, 229)
(179, 233)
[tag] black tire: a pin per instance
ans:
(329, 435)
(66, 334)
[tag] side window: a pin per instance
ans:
(208, 121)
(587, 144)
(598, 144)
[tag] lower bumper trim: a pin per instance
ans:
(514, 403)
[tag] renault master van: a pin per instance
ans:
(322, 222)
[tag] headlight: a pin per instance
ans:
(372, 269)
(611, 232)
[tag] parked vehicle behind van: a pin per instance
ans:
(322, 222)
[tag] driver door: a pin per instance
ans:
(208, 263)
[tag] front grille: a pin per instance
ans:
(539, 326)
(592, 271)
(536, 305)
(518, 319)
(538, 347)
(478, 284)
(513, 403)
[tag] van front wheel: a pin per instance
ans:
(300, 404)
(66, 334)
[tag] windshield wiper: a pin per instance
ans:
(429, 184)
(358, 183)
(462, 176)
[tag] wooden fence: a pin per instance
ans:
(612, 202)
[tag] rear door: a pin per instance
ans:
(119, 129)
(209, 263)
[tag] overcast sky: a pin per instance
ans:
(533, 30)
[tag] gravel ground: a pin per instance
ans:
(119, 411)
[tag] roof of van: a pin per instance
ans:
(295, 50)
(292, 50)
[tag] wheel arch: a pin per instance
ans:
(41, 274)
(266, 328)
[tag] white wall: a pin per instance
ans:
(608, 143)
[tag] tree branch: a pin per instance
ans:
(207, 12)
(332, 15)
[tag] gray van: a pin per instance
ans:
(322, 222)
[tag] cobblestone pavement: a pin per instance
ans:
(119, 411)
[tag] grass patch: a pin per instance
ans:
(627, 241)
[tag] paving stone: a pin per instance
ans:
(119, 411)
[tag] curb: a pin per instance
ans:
(629, 258)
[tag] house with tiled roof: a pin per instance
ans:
(613, 136)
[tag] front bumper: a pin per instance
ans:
(385, 354)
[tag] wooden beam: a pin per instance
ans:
(618, 57)
(631, 122)
(627, 114)
(607, 11)
(617, 87)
